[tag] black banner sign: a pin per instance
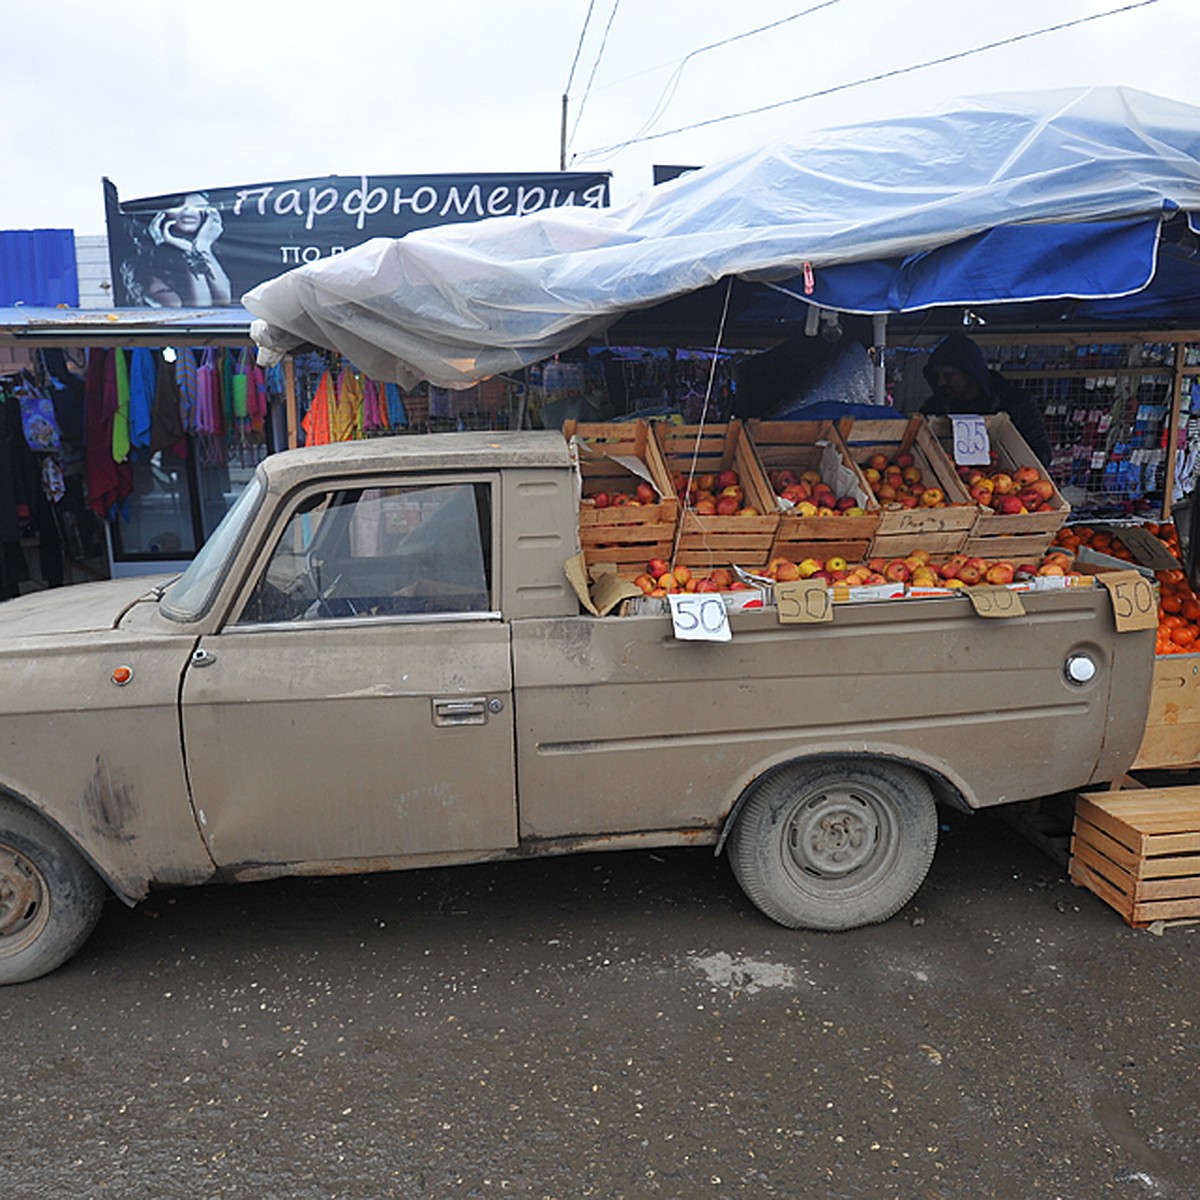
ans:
(206, 248)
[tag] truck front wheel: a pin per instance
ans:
(834, 844)
(50, 899)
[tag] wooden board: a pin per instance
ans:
(1139, 851)
(631, 535)
(712, 541)
(799, 446)
(1172, 737)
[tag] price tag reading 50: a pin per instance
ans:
(803, 601)
(700, 617)
(972, 447)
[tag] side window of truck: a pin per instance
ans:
(409, 550)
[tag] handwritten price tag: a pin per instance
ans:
(972, 447)
(700, 618)
(995, 602)
(803, 601)
(1134, 603)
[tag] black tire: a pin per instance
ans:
(50, 899)
(834, 844)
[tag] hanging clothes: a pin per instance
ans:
(141, 396)
(316, 421)
(397, 416)
(120, 420)
(167, 430)
(108, 482)
(209, 416)
(187, 381)
(345, 416)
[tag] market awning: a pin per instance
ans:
(1063, 196)
(24, 325)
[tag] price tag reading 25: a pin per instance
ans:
(972, 447)
(700, 617)
(805, 601)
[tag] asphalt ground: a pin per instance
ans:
(620, 1025)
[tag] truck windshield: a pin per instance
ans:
(189, 597)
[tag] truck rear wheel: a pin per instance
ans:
(834, 844)
(50, 899)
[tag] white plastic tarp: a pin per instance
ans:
(457, 303)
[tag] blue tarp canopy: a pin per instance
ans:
(1086, 198)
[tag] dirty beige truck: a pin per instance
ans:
(377, 662)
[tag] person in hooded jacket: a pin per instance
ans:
(962, 383)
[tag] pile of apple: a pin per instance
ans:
(661, 579)
(918, 570)
(713, 494)
(1023, 490)
(642, 494)
(899, 483)
(811, 496)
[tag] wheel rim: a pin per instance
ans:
(840, 837)
(24, 901)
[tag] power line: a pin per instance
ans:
(579, 46)
(599, 55)
(672, 84)
(841, 87)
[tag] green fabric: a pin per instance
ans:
(240, 405)
(120, 437)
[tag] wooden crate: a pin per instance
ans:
(811, 446)
(902, 530)
(717, 541)
(626, 536)
(1172, 737)
(1139, 851)
(1036, 529)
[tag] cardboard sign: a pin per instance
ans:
(972, 447)
(700, 617)
(996, 601)
(1134, 604)
(803, 601)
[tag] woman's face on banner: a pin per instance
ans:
(189, 216)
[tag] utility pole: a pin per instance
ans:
(562, 137)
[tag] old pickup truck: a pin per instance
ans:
(378, 662)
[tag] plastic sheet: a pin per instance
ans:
(457, 303)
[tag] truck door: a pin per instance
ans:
(357, 702)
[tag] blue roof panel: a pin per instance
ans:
(37, 266)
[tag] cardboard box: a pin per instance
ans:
(707, 542)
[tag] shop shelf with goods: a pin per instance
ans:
(708, 536)
(925, 505)
(628, 509)
(1115, 405)
(800, 459)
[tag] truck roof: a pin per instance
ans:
(408, 452)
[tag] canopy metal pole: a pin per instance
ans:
(879, 337)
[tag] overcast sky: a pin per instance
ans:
(165, 97)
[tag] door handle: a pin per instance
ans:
(461, 711)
